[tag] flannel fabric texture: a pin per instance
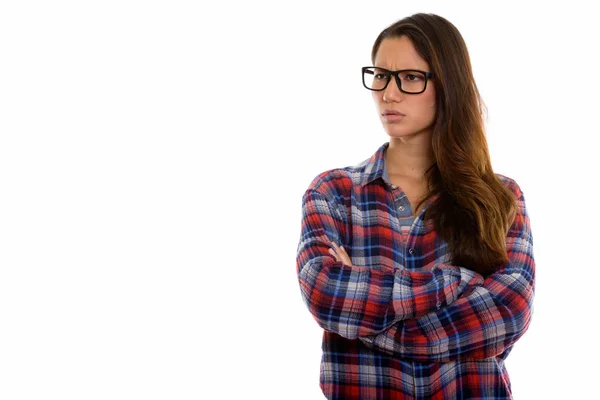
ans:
(401, 322)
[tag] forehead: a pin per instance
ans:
(399, 53)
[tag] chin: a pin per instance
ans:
(398, 133)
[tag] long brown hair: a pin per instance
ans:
(473, 209)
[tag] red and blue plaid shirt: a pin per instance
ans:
(402, 323)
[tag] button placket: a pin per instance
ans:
(400, 207)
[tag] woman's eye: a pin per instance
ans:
(380, 76)
(411, 77)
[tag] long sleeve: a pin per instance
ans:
(355, 301)
(484, 321)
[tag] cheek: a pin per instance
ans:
(431, 97)
(428, 109)
(429, 101)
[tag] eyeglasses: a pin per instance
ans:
(412, 81)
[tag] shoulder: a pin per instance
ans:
(339, 182)
(330, 183)
(511, 184)
(516, 190)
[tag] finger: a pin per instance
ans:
(333, 253)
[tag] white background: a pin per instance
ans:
(153, 156)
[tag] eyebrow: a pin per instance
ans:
(402, 69)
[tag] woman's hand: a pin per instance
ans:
(340, 254)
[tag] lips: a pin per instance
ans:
(392, 116)
(392, 112)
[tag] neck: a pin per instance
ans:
(409, 156)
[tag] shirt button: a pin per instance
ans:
(439, 304)
(401, 208)
(394, 186)
(411, 251)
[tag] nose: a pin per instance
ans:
(392, 92)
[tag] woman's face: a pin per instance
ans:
(419, 109)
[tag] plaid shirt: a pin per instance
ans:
(401, 323)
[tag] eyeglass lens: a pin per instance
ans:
(411, 81)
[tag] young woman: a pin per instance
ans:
(418, 262)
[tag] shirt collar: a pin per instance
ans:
(375, 167)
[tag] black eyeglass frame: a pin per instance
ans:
(428, 75)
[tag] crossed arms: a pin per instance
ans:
(440, 315)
